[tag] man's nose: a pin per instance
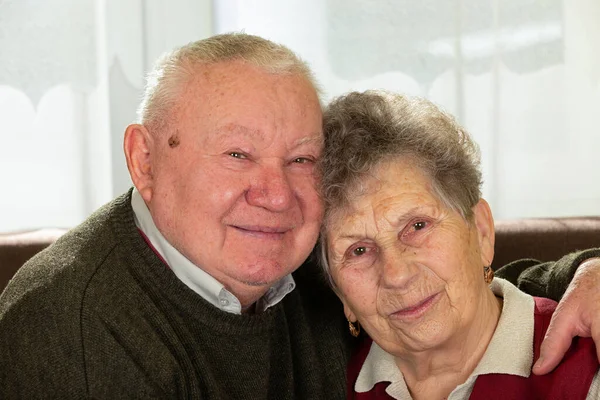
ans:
(271, 190)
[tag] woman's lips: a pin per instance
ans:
(416, 311)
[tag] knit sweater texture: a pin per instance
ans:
(99, 315)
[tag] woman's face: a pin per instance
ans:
(408, 268)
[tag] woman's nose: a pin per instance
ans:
(399, 269)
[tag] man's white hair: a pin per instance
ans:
(165, 83)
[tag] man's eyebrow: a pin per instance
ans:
(317, 138)
(240, 130)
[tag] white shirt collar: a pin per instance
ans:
(195, 277)
(510, 350)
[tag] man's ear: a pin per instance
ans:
(137, 145)
(484, 222)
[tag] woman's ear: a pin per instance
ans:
(349, 313)
(484, 222)
(137, 145)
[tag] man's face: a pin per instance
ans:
(234, 186)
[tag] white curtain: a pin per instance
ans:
(523, 76)
(71, 77)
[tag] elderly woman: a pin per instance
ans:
(407, 243)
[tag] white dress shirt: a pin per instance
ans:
(194, 276)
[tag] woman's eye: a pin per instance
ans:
(359, 251)
(419, 225)
(415, 231)
(360, 255)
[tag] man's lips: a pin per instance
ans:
(264, 232)
(417, 310)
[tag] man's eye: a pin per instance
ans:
(302, 160)
(236, 154)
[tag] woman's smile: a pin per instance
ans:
(412, 313)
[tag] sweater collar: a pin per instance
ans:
(194, 276)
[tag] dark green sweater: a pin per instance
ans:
(99, 315)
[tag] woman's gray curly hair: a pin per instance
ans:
(362, 130)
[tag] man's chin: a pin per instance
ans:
(262, 279)
(254, 283)
(263, 274)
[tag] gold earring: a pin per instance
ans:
(354, 329)
(488, 274)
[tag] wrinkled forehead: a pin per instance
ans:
(310, 138)
(237, 78)
(246, 101)
(393, 184)
(356, 192)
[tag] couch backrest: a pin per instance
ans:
(544, 239)
(16, 248)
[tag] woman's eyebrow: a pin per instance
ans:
(351, 232)
(350, 236)
(399, 219)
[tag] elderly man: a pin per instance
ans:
(183, 287)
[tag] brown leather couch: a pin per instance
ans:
(18, 247)
(544, 239)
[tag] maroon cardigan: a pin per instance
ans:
(570, 380)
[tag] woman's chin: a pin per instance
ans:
(431, 329)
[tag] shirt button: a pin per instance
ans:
(224, 302)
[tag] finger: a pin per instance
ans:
(557, 341)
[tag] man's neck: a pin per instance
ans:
(251, 309)
(247, 294)
(224, 292)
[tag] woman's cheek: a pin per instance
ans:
(359, 284)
